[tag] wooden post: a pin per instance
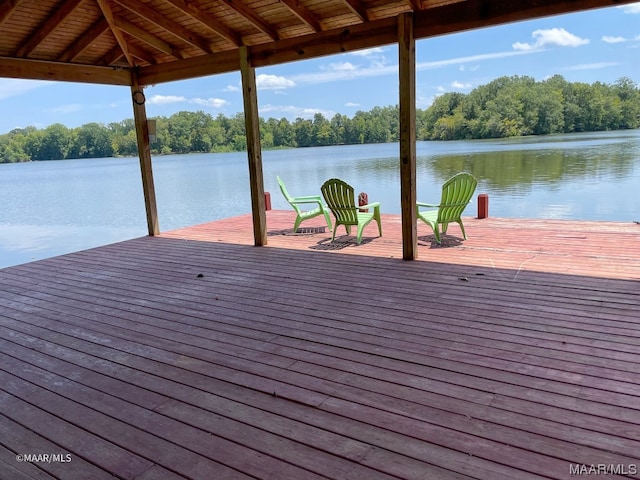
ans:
(483, 205)
(254, 151)
(407, 78)
(144, 153)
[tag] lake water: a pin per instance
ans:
(51, 208)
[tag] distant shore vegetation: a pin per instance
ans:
(506, 107)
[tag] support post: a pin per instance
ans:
(407, 80)
(144, 153)
(254, 151)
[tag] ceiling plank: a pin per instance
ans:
(208, 21)
(112, 56)
(142, 54)
(170, 26)
(6, 9)
(86, 39)
(358, 8)
(45, 29)
(41, 70)
(415, 5)
(303, 14)
(122, 43)
(248, 15)
(146, 37)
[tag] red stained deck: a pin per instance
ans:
(512, 355)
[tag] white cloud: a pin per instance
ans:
(472, 58)
(351, 104)
(11, 87)
(231, 88)
(165, 99)
(551, 37)
(592, 66)
(173, 99)
(368, 52)
(294, 111)
(465, 68)
(632, 8)
(460, 85)
(273, 82)
(209, 102)
(340, 67)
(70, 108)
(608, 39)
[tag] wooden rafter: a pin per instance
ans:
(303, 13)
(170, 26)
(358, 8)
(87, 38)
(113, 56)
(6, 9)
(415, 5)
(256, 21)
(142, 54)
(49, 26)
(146, 37)
(208, 21)
(122, 43)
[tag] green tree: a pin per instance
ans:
(92, 140)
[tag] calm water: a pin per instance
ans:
(50, 208)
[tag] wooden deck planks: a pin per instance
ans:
(240, 360)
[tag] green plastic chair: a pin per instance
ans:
(304, 215)
(339, 196)
(456, 195)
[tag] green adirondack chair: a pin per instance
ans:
(456, 194)
(302, 215)
(339, 196)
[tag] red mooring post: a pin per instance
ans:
(483, 205)
(267, 201)
(363, 199)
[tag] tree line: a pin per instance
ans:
(505, 107)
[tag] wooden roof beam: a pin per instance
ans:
(239, 7)
(122, 43)
(6, 9)
(208, 21)
(64, 72)
(49, 26)
(303, 14)
(146, 37)
(415, 5)
(358, 8)
(150, 15)
(87, 38)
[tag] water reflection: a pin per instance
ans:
(519, 171)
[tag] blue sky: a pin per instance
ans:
(600, 45)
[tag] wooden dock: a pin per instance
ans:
(512, 355)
